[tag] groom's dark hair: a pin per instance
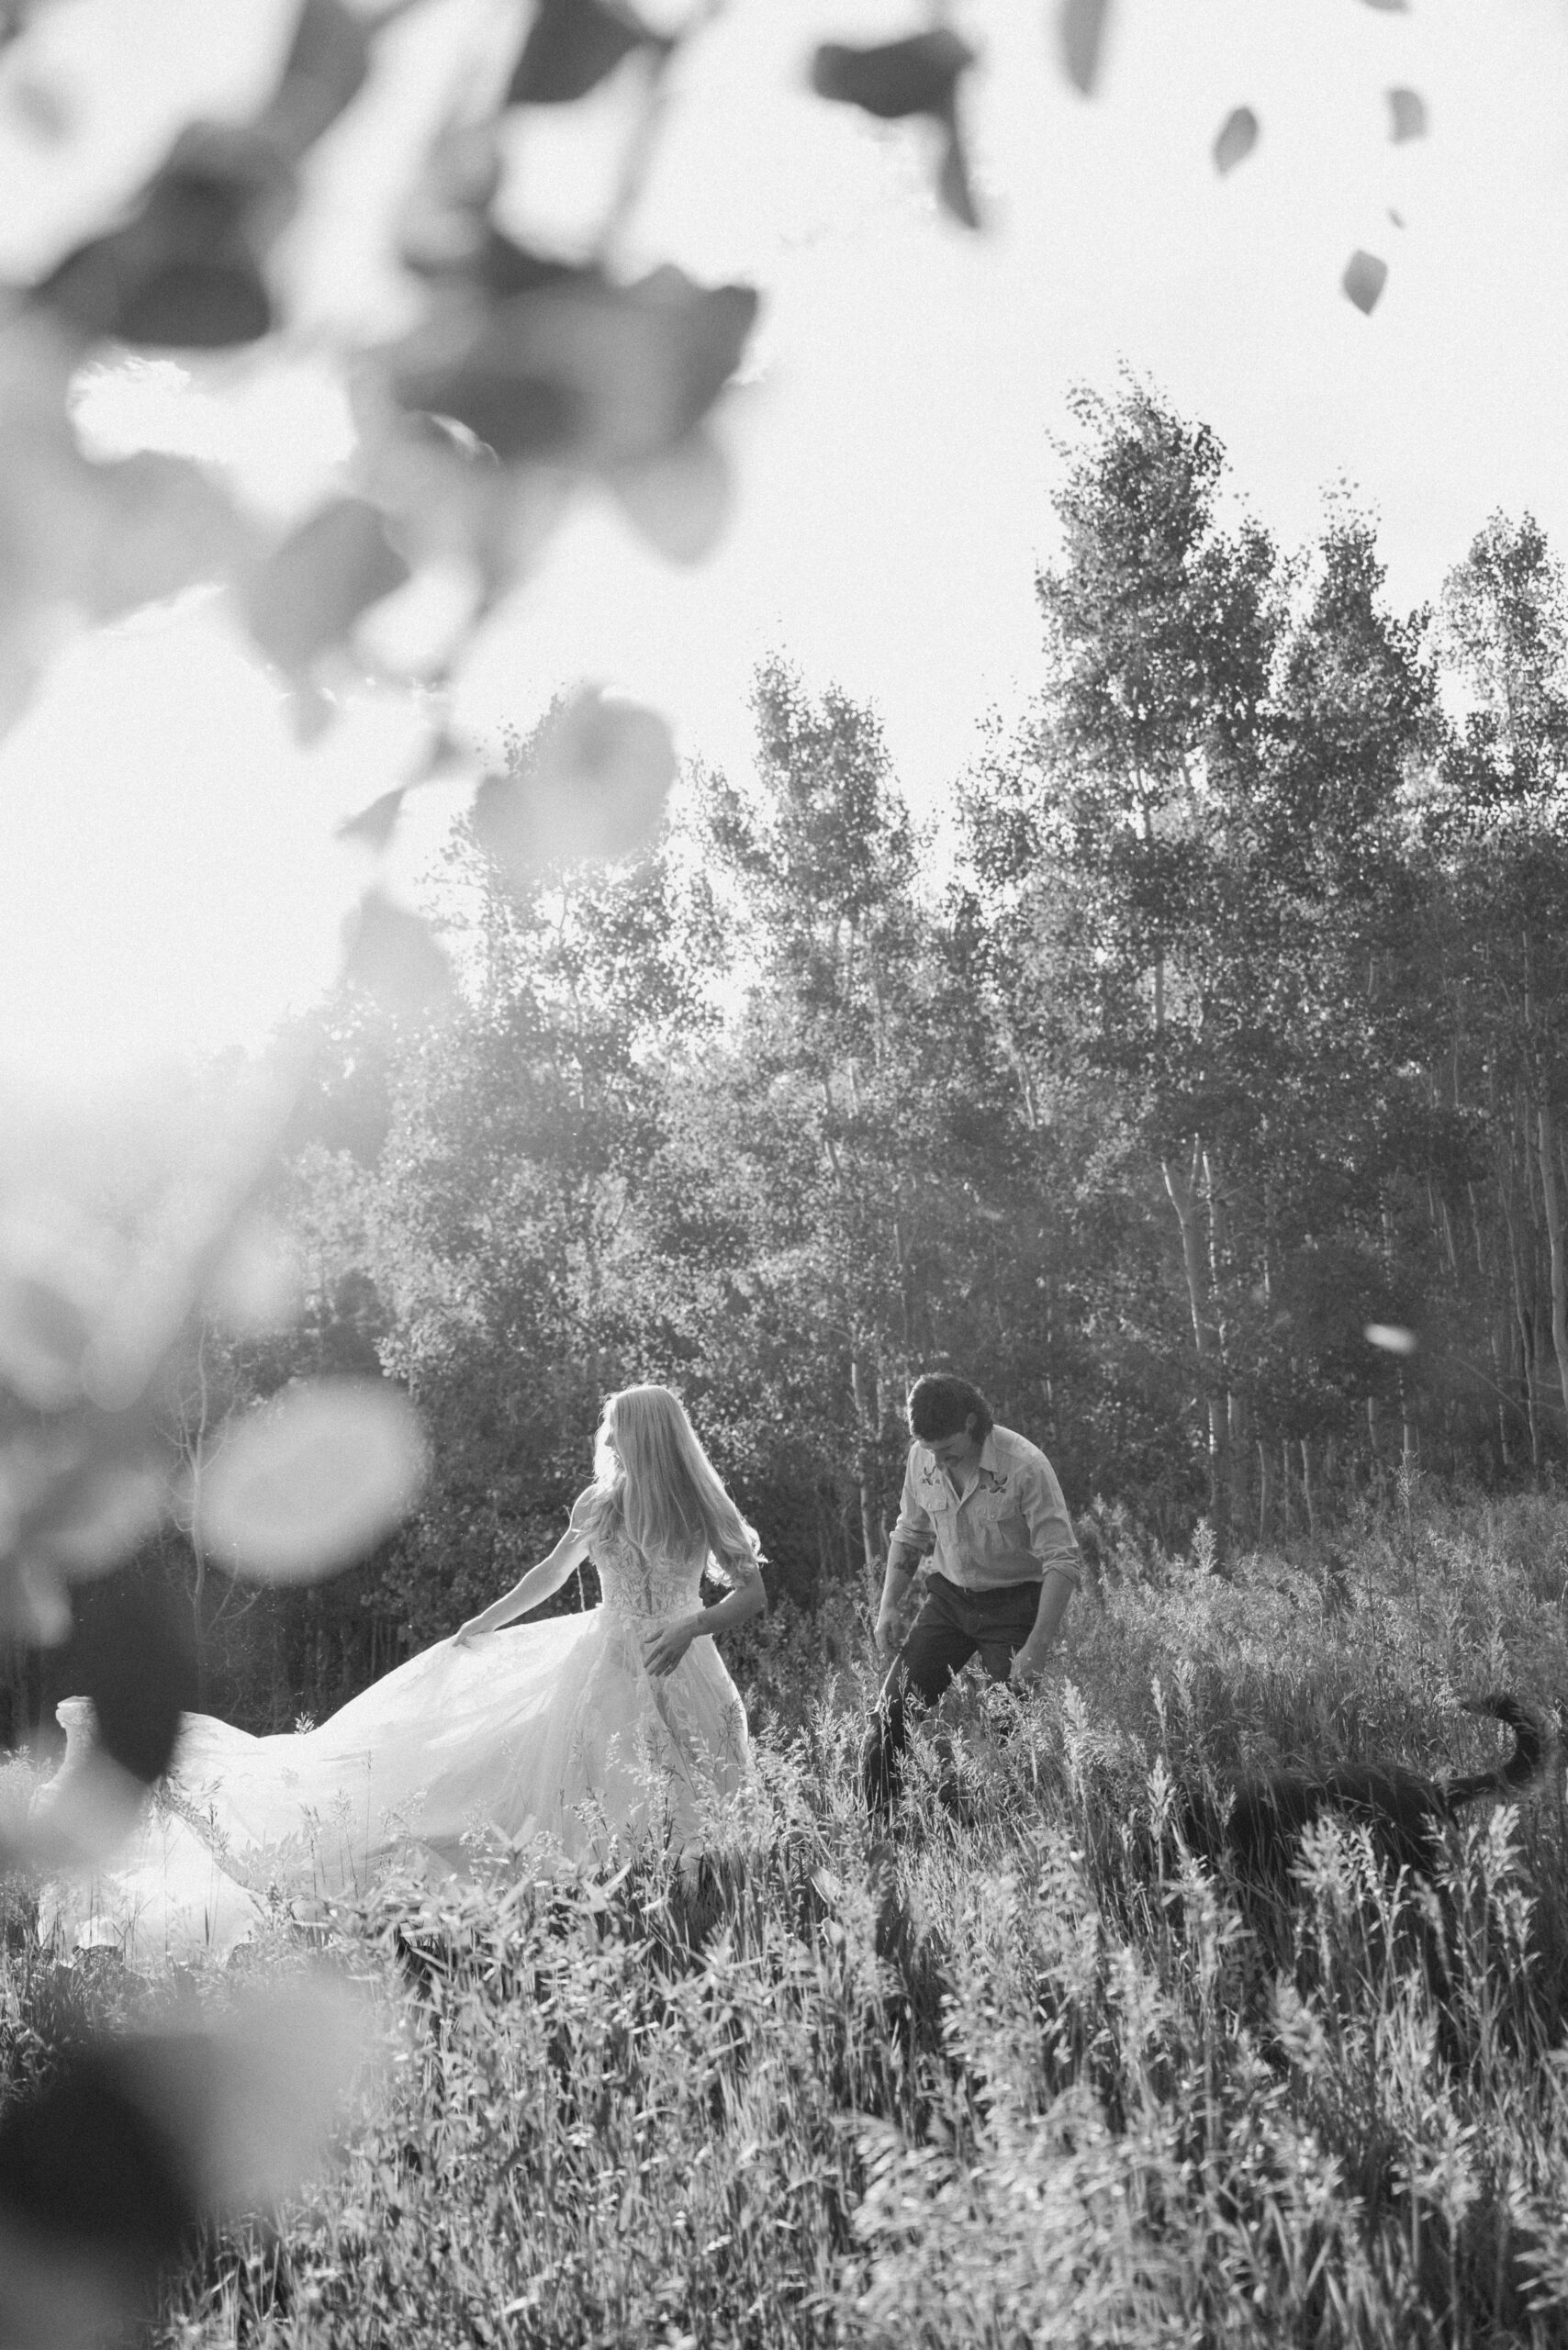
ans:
(941, 1404)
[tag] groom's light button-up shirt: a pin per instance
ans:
(1009, 1524)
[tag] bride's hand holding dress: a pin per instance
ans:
(540, 1584)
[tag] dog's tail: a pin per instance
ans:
(1525, 1767)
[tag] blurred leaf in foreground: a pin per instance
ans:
(450, 501)
(79, 1489)
(133, 1656)
(897, 78)
(102, 1299)
(446, 225)
(125, 2150)
(1364, 279)
(1080, 32)
(953, 184)
(1237, 137)
(375, 824)
(394, 956)
(308, 593)
(572, 45)
(159, 524)
(94, 2200)
(580, 370)
(44, 1329)
(257, 1286)
(680, 500)
(1407, 114)
(93, 538)
(82, 1490)
(81, 1816)
(184, 271)
(326, 68)
(310, 1481)
(918, 75)
(596, 786)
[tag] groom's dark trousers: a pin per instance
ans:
(952, 1627)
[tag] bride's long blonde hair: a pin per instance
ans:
(654, 1482)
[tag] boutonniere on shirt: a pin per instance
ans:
(990, 1483)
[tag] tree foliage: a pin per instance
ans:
(781, 1177)
(1195, 1107)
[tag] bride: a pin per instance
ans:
(612, 1727)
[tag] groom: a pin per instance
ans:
(984, 1505)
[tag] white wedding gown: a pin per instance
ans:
(554, 1729)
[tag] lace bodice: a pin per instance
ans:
(633, 1585)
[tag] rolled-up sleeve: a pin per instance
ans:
(914, 1536)
(1051, 1539)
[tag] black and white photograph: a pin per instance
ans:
(783, 1174)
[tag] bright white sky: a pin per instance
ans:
(162, 877)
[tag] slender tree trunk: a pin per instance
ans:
(1546, 1136)
(1442, 1226)
(198, 1625)
(1285, 1486)
(1522, 1321)
(1476, 1229)
(1219, 1245)
(281, 1691)
(1500, 1381)
(1182, 1189)
(903, 1296)
(867, 1417)
(1307, 1486)
(1406, 1431)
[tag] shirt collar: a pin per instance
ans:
(991, 1476)
(985, 1469)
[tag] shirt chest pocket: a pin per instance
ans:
(999, 1522)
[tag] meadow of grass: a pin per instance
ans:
(1027, 2076)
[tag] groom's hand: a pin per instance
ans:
(888, 1634)
(1027, 1669)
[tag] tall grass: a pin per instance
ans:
(1028, 2077)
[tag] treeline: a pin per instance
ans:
(1218, 1019)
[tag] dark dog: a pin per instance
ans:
(1404, 1813)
